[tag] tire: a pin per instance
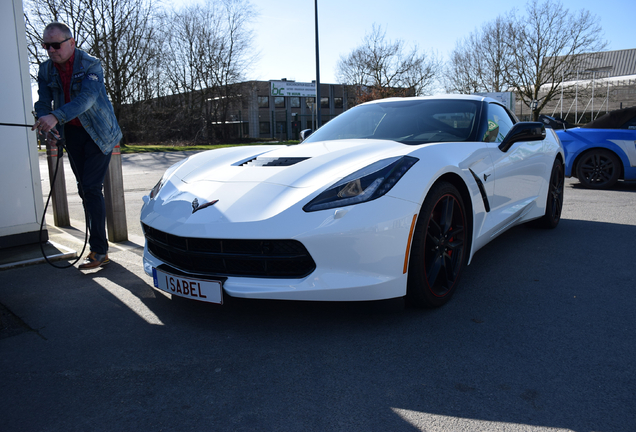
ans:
(440, 248)
(554, 202)
(598, 169)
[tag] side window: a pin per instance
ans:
(499, 123)
(631, 124)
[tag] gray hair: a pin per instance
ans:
(63, 28)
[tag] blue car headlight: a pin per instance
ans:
(364, 185)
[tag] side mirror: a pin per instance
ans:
(304, 134)
(554, 122)
(523, 131)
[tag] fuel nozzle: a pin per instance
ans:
(53, 137)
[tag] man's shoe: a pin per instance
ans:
(94, 260)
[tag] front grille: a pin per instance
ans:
(230, 257)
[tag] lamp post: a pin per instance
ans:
(318, 99)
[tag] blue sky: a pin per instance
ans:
(285, 28)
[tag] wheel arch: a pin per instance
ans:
(457, 181)
(415, 293)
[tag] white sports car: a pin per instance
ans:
(392, 198)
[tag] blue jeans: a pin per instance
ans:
(89, 165)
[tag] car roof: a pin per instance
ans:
(613, 119)
(436, 97)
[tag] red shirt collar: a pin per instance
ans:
(66, 67)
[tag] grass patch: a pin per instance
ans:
(148, 148)
(135, 148)
(152, 148)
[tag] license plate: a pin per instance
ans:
(197, 289)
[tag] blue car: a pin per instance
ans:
(601, 152)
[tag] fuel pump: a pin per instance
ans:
(53, 136)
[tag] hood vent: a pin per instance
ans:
(270, 162)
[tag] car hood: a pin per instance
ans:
(304, 165)
(254, 183)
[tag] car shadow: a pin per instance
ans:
(535, 324)
(539, 335)
(620, 186)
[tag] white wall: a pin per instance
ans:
(21, 203)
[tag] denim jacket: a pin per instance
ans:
(89, 102)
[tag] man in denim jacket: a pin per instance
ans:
(73, 100)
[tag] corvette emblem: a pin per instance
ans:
(196, 207)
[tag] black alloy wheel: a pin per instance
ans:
(439, 248)
(598, 169)
(554, 202)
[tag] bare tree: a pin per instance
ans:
(120, 33)
(39, 13)
(463, 69)
(548, 46)
(208, 50)
(497, 55)
(479, 61)
(381, 68)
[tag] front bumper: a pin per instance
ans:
(360, 252)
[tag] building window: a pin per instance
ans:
(263, 101)
(263, 128)
(294, 102)
(324, 102)
(310, 101)
(337, 102)
(279, 102)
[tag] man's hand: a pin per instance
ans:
(45, 124)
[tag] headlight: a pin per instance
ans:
(364, 185)
(155, 190)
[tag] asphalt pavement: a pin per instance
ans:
(539, 337)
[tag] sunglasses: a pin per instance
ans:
(54, 45)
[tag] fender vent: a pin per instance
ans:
(269, 162)
(482, 190)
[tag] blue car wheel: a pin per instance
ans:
(598, 169)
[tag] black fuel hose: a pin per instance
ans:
(60, 150)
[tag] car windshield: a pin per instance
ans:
(406, 121)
